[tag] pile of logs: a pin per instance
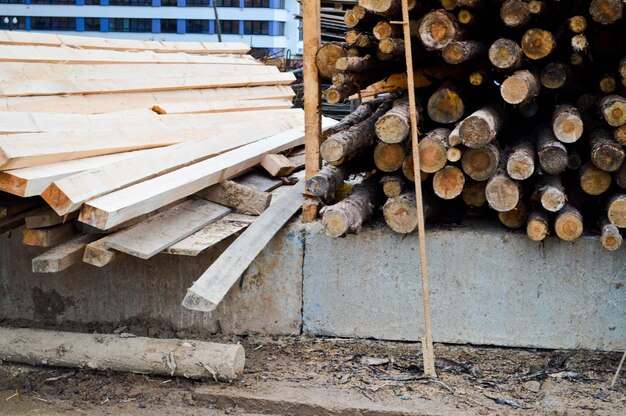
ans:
(521, 109)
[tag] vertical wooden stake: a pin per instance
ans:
(427, 341)
(311, 33)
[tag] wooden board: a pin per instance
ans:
(88, 42)
(91, 104)
(46, 217)
(98, 254)
(210, 288)
(62, 256)
(106, 86)
(18, 53)
(241, 198)
(155, 234)
(221, 106)
(47, 237)
(67, 195)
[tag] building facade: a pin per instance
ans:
(264, 24)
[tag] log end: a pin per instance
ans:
(392, 128)
(480, 164)
(617, 211)
(400, 214)
(520, 166)
(568, 128)
(611, 238)
(332, 150)
(537, 43)
(454, 154)
(448, 182)
(502, 193)
(553, 199)
(514, 90)
(335, 223)
(615, 113)
(432, 155)
(515, 218)
(388, 157)
(606, 11)
(437, 29)
(504, 54)
(475, 132)
(568, 225)
(445, 106)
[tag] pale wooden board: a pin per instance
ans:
(106, 86)
(210, 288)
(46, 217)
(221, 106)
(63, 256)
(18, 53)
(241, 198)
(259, 180)
(47, 237)
(70, 193)
(277, 165)
(29, 71)
(102, 103)
(155, 234)
(88, 42)
(97, 254)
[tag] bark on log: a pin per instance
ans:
(537, 226)
(474, 193)
(348, 216)
(394, 126)
(392, 47)
(613, 108)
(515, 218)
(482, 163)
(502, 192)
(520, 87)
(568, 225)
(537, 43)
(567, 123)
(505, 54)
(360, 17)
(433, 150)
(445, 105)
(334, 94)
(620, 176)
(437, 29)
(520, 163)
(481, 127)
(324, 184)
(611, 239)
(554, 75)
(400, 212)
(362, 112)
(326, 58)
(606, 153)
(389, 157)
(389, 8)
(617, 210)
(357, 64)
(514, 13)
(393, 185)
(551, 153)
(551, 193)
(462, 51)
(166, 357)
(358, 79)
(606, 11)
(448, 183)
(594, 181)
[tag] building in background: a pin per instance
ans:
(267, 25)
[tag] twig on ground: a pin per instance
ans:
(619, 368)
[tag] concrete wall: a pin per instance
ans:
(488, 286)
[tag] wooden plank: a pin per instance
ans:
(394, 82)
(33, 149)
(106, 86)
(11, 205)
(32, 71)
(47, 237)
(68, 194)
(209, 290)
(87, 42)
(111, 209)
(241, 198)
(259, 181)
(14, 53)
(32, 181)
(155, 234)
(91, 104)
(220, 106)
(311, 33)
(98, 254)
(46, 217)
(277, 165)
(63, 256)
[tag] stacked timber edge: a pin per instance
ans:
(521, 114)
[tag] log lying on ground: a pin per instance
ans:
(568, 225)
(324, 184)
(551, 153)
(537, 227)
(349, 215)
(166, 357)
(611, 239)
(400, 212)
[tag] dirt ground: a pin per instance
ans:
(472, 380)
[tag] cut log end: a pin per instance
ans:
(606, 11)
(474, 193)
(445, 106)
(537, 43)
(514, 13)
(611, 239)
(400, 213)
(505, 54)
(503, 193)
(569, 224)
(554, 75)
(454, 154)
(537, 227)
(481, 164)
(335, 223)
(617, 210)
(432, 150)
(515, 218)
(519, 87)
(389, 157)
(578, 24)
(553, 199)
(448, 183)
(567, 124)
(437, 29)
(613, 109)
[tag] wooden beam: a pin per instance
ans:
(47, 237)
(210, 288)
(160, 231)
(91, 104)
(392, 83)
(62, 256)
(46, 217)
(221, 106)
(241, 198)
(98, 254)
(111, 209)
(106, 86)
(67, 195)
(277, 165)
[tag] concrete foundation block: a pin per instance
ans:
(487, 285)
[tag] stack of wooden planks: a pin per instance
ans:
(122, 146)
(522, 114)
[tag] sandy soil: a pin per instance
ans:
(477, 379)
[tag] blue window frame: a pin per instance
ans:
(130, 2)
(92, 24)
(130, 25)
(198, 26)
(256, 28)
(198, 3)
(168, 25)
(52, 23)
(227, 3)
(229, 27)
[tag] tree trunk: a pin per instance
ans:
(445, 105)
(481, 127)
(606, 11)
(514, 13)
(551, 193)
(606, 153)
(520, 163)
(537, 43)
(594, 181)
(437, 29)
(505, 54)
(433, 150)
(462, 51)
(393, 185)
(400, 212)
(394, 126)
(481, 164)
(515, 218)
(362, 112)
(324, 183)
(389, 157)
(448, 182)
(551, 153)
(349, 215)
(567, 123)
(577, 24)
(617, 210)
(502, 192)
(384, 29)
(537, 227)
(611, 238)
(474, 193)
(327, 56)
(522, 86)
(613, 108)
(392, 47)
(554, 75)
(568, 224)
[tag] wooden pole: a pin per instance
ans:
(427, 342)
(312, 117)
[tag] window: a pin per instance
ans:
(227, 3)
(168, 25)
(198, 3)
(12, 1)
(130, 25)
(92, 2)
(229, 27)
(258, 3)
(130, 2)
(281, 28)
(70, 2)
(92, 24)
(169, 3)
(256, 28)
(53, 23)
(197, 26)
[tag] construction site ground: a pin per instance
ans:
(326, 376)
